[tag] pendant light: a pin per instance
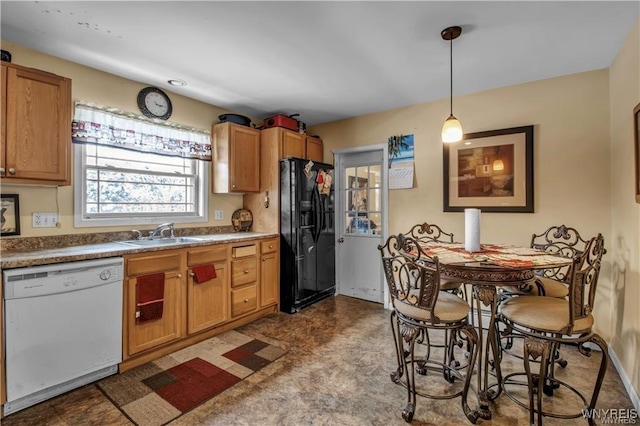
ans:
(452, 129)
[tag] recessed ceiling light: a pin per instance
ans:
(176, 82)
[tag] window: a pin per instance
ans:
(114, 185)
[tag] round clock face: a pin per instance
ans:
(154, 103)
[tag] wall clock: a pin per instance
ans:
(154, 103)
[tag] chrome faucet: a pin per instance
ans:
(160, 229)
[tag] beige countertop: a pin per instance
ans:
(17, 259)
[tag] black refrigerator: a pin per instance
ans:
(307, 264)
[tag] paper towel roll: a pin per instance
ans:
(472, 230)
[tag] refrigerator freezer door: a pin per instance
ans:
(307, 250)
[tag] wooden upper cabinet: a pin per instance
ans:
(236, 158)
(292, 144)
(36, 126)
(314, 149)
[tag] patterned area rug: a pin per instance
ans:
(158, 392)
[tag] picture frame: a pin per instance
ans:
(491, 171)
(636, 135)
(10, 214)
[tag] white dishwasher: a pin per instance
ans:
(63, 328)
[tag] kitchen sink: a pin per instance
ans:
(162, 241)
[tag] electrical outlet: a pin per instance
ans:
(45, 220)
(219, 214)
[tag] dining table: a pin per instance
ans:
(492, 267)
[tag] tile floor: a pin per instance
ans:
(335, 373)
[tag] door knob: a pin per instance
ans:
(341, 240)
(12, 171)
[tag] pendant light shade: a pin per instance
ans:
(452, 129)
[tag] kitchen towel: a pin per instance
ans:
(204, 273)
(472, 230)
(149, 297)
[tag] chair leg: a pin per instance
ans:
(407, 413)
(400, 356)
(595, 338)
(472, 340)
(536, 348)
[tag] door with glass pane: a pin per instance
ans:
(361, 207)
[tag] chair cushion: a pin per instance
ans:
(449, 308)
(552, 288)
(449, 283)
(543, 313)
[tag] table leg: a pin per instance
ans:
(487, 295)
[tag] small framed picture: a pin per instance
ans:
(10, 214)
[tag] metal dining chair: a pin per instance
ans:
(426, 232)
(552, 282)
(413, 279)
(565, 320)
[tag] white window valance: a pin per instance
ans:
(100, 125)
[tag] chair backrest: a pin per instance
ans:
(429, 232)
(584, 282)
(412, 276)
(563, 241)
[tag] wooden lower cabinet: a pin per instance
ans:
(246, 287)
(269, 272)
(141, 336)
(208, 301)
(244, 300)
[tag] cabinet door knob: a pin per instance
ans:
(264, 259)
(246, 271)
(191, 274)
(270, 246)
(233, 186)
(246, 300)
(1, 170)
(12, 171)
(179, 275)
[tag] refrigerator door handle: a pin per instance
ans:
(317, 210)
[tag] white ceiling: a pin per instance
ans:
(324, 60)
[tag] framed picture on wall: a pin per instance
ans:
(10, 214)
(636, 135)
(491, 171)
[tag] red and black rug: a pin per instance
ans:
(158, 392)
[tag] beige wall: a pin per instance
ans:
(624, 246)
(571, 120)
(102, 88)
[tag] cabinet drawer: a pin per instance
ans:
(205, 255)
(244, 300)
(244, 271)
(268, 246)
(243, 251)
(153, 263)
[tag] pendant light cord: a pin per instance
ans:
(451, 75)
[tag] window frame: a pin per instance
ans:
(79, 199)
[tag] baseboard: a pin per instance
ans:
(633, 395)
